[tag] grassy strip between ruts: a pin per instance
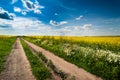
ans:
(38, 68)
(5, 48)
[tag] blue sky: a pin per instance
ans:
(60, 17)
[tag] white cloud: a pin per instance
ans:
(12, 14)
(63, 22)
(54, 23)
(75, 31)
(87, 26)
(80, 17)
(56, 14)
(24, 12)
(25, 26)
(6, 15)
(14, 1)
(32, 26)
(2, 11)
(17, 9)
(21, 23)
(37, 11)
(30, 6)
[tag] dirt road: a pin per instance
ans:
(17, 66)
(65, 66)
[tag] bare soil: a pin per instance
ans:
(17, 66)
(79, 73)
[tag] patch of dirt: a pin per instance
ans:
(17, 66)
(79, 73)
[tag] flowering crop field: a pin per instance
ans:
(97, 55)
(6, 43)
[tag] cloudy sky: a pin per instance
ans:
(60, 17)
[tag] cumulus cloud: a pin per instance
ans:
(69, 30)
(30, 26)
(14, 1)
(24, 12)
(29, 5)
(87, 26)
(80, 17)
(17, 9)
(75, 31)
(5, 15)
(54, 23)
(63, 22)
(21, 23)
(25, 26)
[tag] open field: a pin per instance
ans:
(63, 58)
(60, 40)
(98, 55)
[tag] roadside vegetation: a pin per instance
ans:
(39, 69)
(98, 55)
(49, 64)
(6, 43)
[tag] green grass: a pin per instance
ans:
(38, 68)
(5, 48)
(42, 57)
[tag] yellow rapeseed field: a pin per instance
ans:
(110, 40)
